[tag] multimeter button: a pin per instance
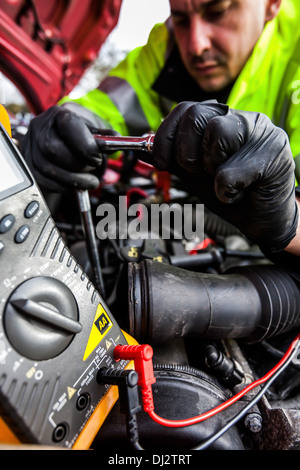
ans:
(6, 223)
(31, 209)
(22, 234)
(1, 246)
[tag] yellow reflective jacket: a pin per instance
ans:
(138, 93)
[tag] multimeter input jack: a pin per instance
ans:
(83, 401)
(60, 432)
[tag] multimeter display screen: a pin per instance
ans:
(12, 176)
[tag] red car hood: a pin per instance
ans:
(45, 46)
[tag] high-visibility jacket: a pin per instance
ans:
(137, 94)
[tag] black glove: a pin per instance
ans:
(61, 151)
(238, 163)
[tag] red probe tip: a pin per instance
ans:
(141, 352)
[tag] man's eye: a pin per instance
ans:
(180, 21)
(219, 9)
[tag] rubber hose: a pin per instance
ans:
(249, 302)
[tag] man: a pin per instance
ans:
(241, 52)
(215, 39)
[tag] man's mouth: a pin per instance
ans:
(205, 68)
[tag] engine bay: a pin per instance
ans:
(216, 312)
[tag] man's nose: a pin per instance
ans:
(200, 36)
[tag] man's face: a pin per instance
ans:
(216, 37)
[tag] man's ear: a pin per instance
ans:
(272, 9)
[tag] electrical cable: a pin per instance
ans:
(132, 430)
(227, 403)
(204, 445)
(273, 351)
(126, 381)
(142, 356)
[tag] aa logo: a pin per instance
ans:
(101, 325)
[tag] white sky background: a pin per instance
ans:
(137, 17)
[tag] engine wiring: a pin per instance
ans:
(142, 357)
(127, 382)
(204, 445)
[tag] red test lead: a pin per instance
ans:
(142, 357)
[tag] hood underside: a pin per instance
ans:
(46, 46)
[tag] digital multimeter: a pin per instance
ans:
(55, 330)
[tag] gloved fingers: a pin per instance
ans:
(234, 178)
(59, 153)
(64, 180)
(267, 179)
(164, 146)
(77, 137)
(226, 155)
(96, 130)
(264, 163)
(191, 130)
(223, 137)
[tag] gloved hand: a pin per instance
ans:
(61, 152)
(238, 163)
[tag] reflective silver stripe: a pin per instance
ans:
(126, 100)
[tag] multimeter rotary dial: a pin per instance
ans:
(41, 318)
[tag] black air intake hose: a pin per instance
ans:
(253, 303)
